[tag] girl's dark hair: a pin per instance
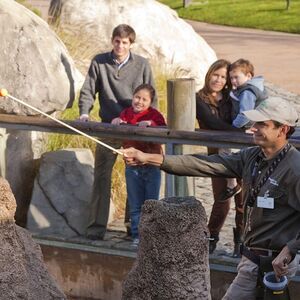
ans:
(148, 87)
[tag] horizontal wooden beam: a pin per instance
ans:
(216, 138)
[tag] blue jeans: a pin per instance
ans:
(143, 183)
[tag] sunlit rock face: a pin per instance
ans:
(7, 202)
(171, 45)
(35, 65)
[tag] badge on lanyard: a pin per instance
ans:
(265, 201)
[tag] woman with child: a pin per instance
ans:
(214, 111)
(142, 182)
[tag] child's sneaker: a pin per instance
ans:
(135, 242)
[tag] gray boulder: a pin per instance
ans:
(172, 258)
(277, 91)
(35, 65)
(167, 41)
(36, 68)
(62, 193)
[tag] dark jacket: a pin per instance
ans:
(214, 117)
(269, 228)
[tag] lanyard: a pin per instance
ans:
(255, 189)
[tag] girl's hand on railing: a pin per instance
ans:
(84, 118)
(144, 123)
(117, 121)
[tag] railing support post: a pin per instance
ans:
(181, 116)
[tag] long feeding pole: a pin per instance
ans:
(4, 93)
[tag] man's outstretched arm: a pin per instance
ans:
(134, 157)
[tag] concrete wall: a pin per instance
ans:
(89, 272)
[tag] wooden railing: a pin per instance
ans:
(211, 138)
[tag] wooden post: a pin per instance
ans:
(186, 3)
(181, 116)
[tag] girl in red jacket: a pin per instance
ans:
(143, 182)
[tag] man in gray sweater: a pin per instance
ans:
(113, 76)
(271, 191)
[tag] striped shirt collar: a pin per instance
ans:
(120, 65)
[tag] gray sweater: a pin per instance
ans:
(114, 86)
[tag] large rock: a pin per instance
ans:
(277, 91)
(35, 65)
(19, 151)
(172, 259)
(23, 273)
(62, 192)
(165, 39)
(36, 68)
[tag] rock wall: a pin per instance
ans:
(172, 259)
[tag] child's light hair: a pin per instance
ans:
(243, 65)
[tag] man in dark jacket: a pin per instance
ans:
(271, 190)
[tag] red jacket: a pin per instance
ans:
(151, 114)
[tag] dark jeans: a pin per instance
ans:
(143, 183)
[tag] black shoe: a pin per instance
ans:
(230, 192)
(213, 240)
(95, 237)
(237, 243)
(96, 233)
(236, 251)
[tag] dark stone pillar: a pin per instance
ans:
(172, 259)
(23, 273)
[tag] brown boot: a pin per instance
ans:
(237, 238)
